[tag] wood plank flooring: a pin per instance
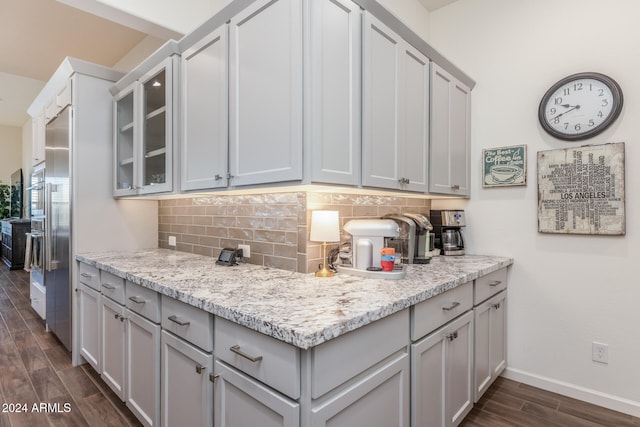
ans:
(36, 369)
(511, 404)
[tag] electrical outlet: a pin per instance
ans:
(172, 240)
(600, 352)
(246, 250)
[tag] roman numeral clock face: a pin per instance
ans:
(580, 106)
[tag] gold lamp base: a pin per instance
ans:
(324, 271)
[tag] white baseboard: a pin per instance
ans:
(595, 397)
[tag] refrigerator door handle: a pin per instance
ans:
(47, 227)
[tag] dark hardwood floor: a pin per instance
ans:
(509, 403)
(35, 369)
(38, 385)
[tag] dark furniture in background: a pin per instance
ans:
(14, 241)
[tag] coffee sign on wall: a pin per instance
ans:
(581, 190)
(504, 166)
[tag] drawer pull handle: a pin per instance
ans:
(452, 306)
(496, 306)
(87, 275)
(452, 336)
(199, 369)
(175, 319)
(137, 299)
(108, 286)
(495, 283)
(236, 350)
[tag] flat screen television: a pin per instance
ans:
(17, 190)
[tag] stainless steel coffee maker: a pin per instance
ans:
(414, 243)
(447, 227)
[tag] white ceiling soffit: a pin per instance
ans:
(122, 17)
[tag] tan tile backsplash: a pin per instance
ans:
(275, 225)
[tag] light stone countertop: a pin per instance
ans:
(299, 309)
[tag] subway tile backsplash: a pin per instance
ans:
(275, 225)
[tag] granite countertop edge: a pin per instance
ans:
(268, 296)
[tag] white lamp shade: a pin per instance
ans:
(325, 226)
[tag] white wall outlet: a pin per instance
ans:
(246, 250)
(172, 240)
(600, 352)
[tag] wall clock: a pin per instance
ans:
(580, 106)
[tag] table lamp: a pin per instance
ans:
(325, 228)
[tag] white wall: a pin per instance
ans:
(565, 291)
(411, 13)
(10, 152)
(139, 53)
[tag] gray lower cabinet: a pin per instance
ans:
(490, 324)
(441, 374)
(450, 148)
(143, 369)
(242, 401)
(113, 345)
(186, 383)
(89, 325)
(377, 399)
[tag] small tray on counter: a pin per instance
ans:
(398, 273)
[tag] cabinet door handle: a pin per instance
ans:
(175, 319)
(199, 369)
(87, 275)
(108, 286)
(218, 177)
(213, 377)
(452, 336)
(236, 350)
(495, 283)
(137, 299)
(496, 306)
(455, 187)
(452, 306)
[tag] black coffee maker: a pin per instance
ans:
(447, 226)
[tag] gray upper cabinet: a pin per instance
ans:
(334, 99)
(450, 134)
(395, 110)
(144, 107)
(265, 93)
(204, 150)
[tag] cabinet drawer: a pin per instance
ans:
(489, 285)
(435, 312)
(112, 286)
(187, 322)
(337, 361)
(144, 301)
(267, 359)
(90, 276)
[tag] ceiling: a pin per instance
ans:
(36, 36)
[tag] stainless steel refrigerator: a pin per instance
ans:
(57, 252)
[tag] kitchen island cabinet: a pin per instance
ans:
(308, 351)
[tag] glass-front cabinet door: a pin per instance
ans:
(144, 133)
(125, 168)
(156, 141)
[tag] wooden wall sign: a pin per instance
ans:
(581, 190)
(504, 166)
